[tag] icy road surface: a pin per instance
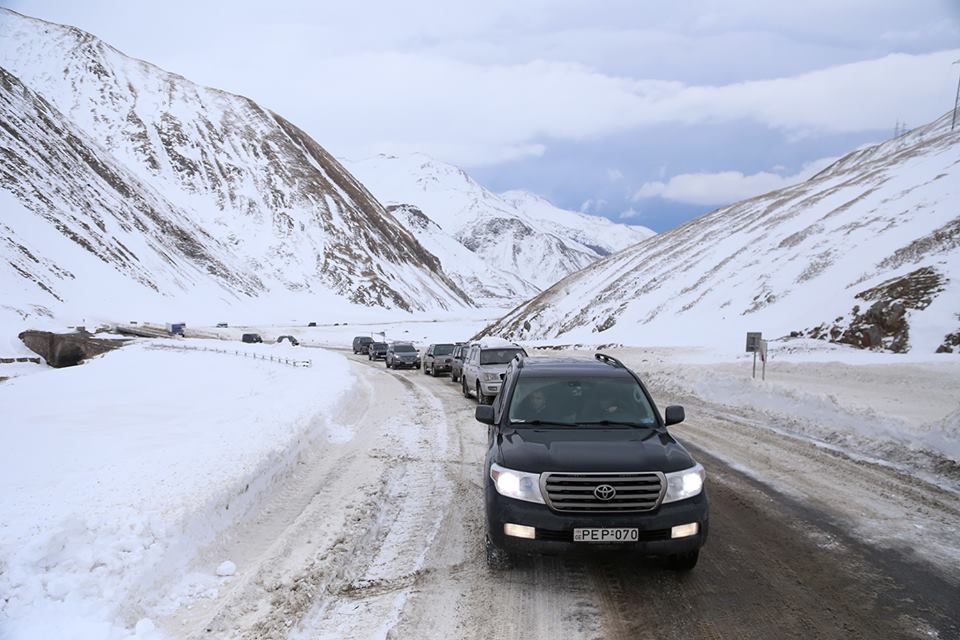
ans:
(379, 534)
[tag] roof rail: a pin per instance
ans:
(602, 357)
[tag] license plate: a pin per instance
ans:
(606, 535)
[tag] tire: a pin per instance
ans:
(425, 372)
(497, 559)
(463, 386)
(387, 362)
(453, 376)
(482, 399)
(683, 562)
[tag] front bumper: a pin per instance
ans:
(490, 388)
(555, 529)
(441, 367)
(407, 364)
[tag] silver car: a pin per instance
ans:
(485, 363)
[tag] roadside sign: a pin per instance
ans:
(753, 341)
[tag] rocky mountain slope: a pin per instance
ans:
(114, 167)
(521, 237)
(867, 253)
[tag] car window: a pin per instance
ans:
(442, 349)
(591, 400)
(498, 356)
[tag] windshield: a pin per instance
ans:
(379, 345)
(442, 349)
(498, 356)
(579, 401)
(403, 348)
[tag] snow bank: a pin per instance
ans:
(114, 473)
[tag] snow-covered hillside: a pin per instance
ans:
(124, 184)
(517, 234)
(867, 252)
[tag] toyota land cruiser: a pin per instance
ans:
(580, 460)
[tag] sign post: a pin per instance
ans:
(763, 359)
(753, 346)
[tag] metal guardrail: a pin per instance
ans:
(237, 352)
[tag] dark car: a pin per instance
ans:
(222, 325)
(311, 324)
(251, 337)
(456, 361)
(360, 344)
(438, 359)
(580, 461)
(289, 339)
(402, 355)
(377, 351)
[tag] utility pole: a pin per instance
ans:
(956, 101)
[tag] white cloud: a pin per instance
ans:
(629, 214)
(614, 175)
(724, 187)
(483, 83)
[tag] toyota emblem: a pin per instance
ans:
(604, 492)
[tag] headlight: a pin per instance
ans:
(516, 484)
(490, 377)
(684, 484)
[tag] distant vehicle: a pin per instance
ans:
(360, 344)
(438, 359)
(580, 461)
(311, 324)
(251, 338)
(289, 339)
(456, 363)
(377, 351)
(222, 325)
(401, 355)
(176, 328)
(484, 366)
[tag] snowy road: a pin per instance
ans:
(380, 535)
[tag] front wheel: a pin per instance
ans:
(453, 376)
(482, 399)
(463, 386)
(497, 558)
(387, 362)
(683, 561)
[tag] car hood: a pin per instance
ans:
(591, 449)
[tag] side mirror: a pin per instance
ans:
(673, 415)
(484, 414)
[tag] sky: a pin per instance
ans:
(645, 112)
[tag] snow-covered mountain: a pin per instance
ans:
(115, 173)
(520, 236)
(867, 252)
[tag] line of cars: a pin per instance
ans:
(579, 458)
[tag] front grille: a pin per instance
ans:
(577, 491)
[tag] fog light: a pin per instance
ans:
(519, 531)
(685, 530)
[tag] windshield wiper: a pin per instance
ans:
(538, 422)
(625, 423)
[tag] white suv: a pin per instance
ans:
(483, 365)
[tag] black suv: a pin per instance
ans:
(360, 344)
(377, 351)
(580, 461)
(402, 354)
(438, 359)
